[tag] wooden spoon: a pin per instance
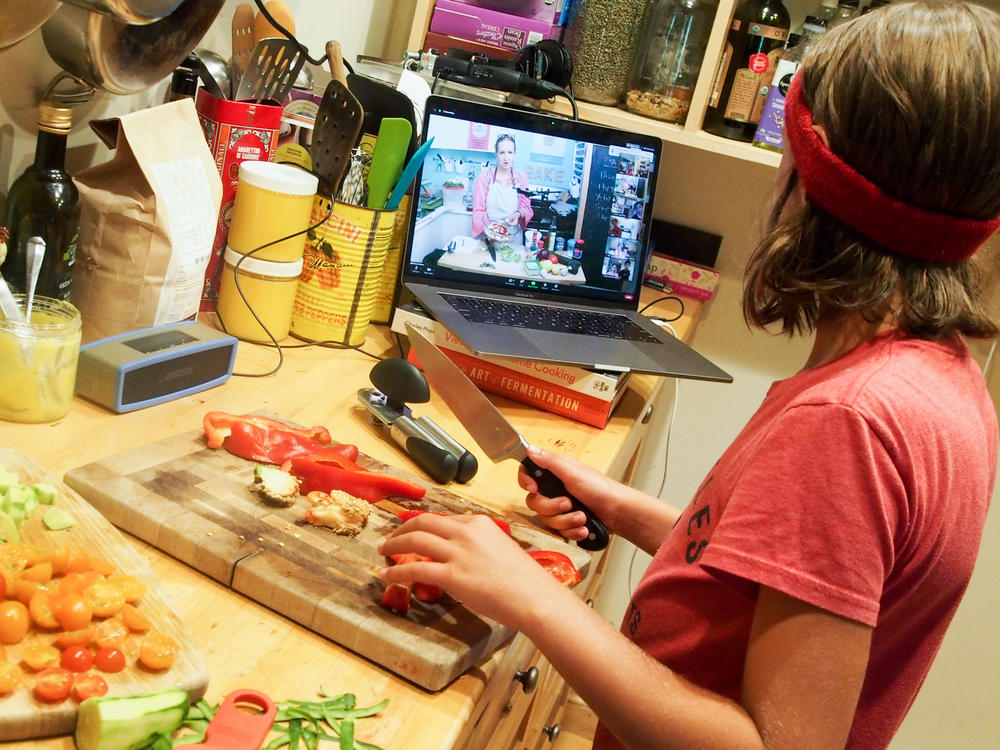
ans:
(243, 41)
(262, 28)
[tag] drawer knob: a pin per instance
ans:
(528, 678)
(552, 731)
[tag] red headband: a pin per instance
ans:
(864, 206)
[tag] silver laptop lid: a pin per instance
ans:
(551, 208)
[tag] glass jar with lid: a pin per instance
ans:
(601, 36)
(668, 58)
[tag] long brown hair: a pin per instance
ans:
(909, 95)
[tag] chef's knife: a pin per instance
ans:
(494, 434)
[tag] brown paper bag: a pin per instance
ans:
(147, 222)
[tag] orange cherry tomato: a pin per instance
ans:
(89, 685)
(105, 598)
(79, 562)
(42, 612)
(73, 611)
(158, 651)
(59, 559)
(6, 582)
(135, 620)
(131, 587)
(53, 684)
(76, 659)
(38, 656)
(81, 637)
(110, 659)
(111, 632)
(25, 589)
(39, 572)
(102, 566)
(14, 621)
(10, 677)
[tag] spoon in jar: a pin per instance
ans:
(36, 250)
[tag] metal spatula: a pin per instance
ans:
(271, 70)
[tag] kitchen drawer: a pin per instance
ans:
(501, 709)
(540, 727)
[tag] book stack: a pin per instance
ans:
(583, 395)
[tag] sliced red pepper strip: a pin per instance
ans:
(218, 425)
(320, 474)
(397, 597)
(406, 515)
(560, 566)
(424, 592)
(269, 445)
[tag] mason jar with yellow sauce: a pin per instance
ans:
(38, 359)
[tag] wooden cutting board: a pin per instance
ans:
(24, 717)
(197, 504)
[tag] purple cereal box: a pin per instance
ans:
(488, 26)
(546, 11)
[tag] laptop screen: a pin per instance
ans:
(508, 199)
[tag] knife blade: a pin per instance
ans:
(491, 430)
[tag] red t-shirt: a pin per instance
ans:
(859, 486)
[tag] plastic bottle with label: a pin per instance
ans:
(756, 40)
(44, 202)
(769, 131)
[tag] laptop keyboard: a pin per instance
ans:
(542, 318)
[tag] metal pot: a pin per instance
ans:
(122, 58)
(18, 18)
(130, 11)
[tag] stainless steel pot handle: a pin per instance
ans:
(79, 91)
(136, 12)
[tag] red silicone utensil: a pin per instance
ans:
(233, 728)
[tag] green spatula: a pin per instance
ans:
(394, 135)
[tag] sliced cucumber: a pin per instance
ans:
(57, 519)
(45, 493)
(129, 723)
(8, 529)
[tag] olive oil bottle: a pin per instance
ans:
(756, 40)
(44, 202)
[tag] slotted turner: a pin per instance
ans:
(242, 42)
(338, 125)
(272, 69)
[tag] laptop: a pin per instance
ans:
(565, 287)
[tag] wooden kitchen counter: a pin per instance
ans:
(248, 645)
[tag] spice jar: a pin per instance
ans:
(668, 58)
(601, 37)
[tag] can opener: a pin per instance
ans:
(397, 382)
(233, 728)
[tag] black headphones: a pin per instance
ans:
(547, 60)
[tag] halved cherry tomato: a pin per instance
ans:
(76, 659)
(39, 572)
(59, 559)
(134, 619)
(81, 637)
(10, 676)
(3, 586)
(73, 611)
(131, 587)
(79, 562)
(40, 656)
(25, 589)
(102, 566)
(72, 583)
(158, 651)
(560, 566)
(89, 685)
(53, 684)
(14, 621)
(42, 612)
(105, 598)
(111, 632)
(110, 659)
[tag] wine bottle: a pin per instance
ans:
(756, 40)
(44, 202)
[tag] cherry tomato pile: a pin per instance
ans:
(66, 617)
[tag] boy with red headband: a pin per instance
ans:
(798, 601)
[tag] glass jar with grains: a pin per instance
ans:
(668, 57)
(601, 36)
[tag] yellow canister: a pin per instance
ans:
(388, 288)
(341, 271)
(273, 201)
(269, 291)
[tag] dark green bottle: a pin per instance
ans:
(44, 202)
(754, 45)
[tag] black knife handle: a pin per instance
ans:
(440, 464)
(552, 486)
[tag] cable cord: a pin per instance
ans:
(321, 61)
(675, 298)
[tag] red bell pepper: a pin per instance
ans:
(218, 426)
(330, 473)
(560, 566)
(406, 515)
(424, 592)
(397, 597)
